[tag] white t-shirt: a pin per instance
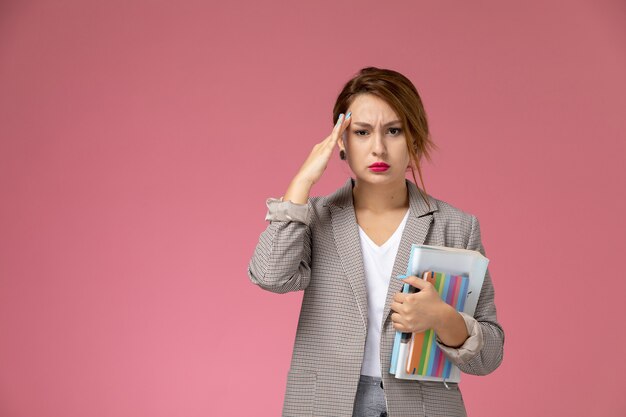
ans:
(378, 265)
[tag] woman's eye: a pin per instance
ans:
(395, 131)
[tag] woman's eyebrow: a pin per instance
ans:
(369, 125)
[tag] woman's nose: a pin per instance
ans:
(378, 145)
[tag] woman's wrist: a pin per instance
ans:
(444, 316)
(450, 326)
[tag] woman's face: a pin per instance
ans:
(375, 134)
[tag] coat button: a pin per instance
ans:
(381, 384)
(383, 414)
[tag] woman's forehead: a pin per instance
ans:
(370, 109)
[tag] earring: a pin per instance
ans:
(342, 155)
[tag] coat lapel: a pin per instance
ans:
(415, 231)
(347, 240)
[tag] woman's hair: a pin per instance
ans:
(402, 96)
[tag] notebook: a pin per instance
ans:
(458, 275)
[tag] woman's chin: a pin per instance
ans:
(385, 177)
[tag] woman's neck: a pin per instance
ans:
(378, 198)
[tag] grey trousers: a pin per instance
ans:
(370, 398)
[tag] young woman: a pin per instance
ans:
(343, 250)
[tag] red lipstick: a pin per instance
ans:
(379, 167)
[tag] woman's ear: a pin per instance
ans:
(342, 148)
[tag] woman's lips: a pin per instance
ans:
(379, 167)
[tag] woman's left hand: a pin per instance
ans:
(419, 311)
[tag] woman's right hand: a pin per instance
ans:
(314, 166)
(317, 161)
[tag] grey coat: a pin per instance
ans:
(316, 248)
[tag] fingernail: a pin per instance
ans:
(339, 118)
(348, 115)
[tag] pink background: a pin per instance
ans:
(139, 141)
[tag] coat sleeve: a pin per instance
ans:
(483, 350)
(282, 258)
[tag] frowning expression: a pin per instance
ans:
(375, 135)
